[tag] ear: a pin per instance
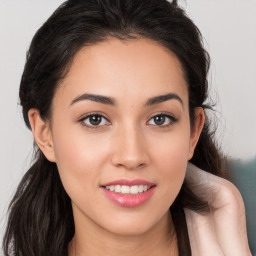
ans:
(196, 130)
(42, 134)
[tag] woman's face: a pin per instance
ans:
(119, 126)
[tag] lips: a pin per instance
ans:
(128, 193)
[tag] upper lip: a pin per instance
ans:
(128, 182)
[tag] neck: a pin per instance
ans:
(159, 240)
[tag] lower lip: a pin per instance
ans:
(129, 200)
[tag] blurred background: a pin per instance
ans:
(229, 32)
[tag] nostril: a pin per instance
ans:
(129, 158)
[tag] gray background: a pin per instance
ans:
(229, 29)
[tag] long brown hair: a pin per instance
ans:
(40, 219)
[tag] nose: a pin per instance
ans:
(130, 149)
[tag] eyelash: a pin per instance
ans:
(172, 120)
(82, 120)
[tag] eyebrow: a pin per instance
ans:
(112, 102)
(163, 98)
(97, 98)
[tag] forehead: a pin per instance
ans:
(130, 66)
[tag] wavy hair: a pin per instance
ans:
(40, 214)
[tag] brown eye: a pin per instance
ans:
(94, 121)
(159, 120)
(162, 120)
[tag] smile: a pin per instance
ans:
(129, 193)
(123, 189)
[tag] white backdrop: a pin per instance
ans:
(229, 29)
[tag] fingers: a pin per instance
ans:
(227, 216)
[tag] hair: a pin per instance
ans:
(40, 214)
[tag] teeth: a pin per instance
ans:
(122, 189)
(117, 188)
(140, 188)
(125, 190)
(134, 189)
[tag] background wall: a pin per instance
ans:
(230, 36)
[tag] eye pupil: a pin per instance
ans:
(95, 119)
(159, 120)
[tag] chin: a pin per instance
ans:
(130, 230)
(133, 224)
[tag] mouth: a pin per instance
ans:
(129, 193)
(132, 190)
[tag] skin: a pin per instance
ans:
(128, 144)
(223, 230)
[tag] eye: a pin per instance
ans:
(94, 121)
(163, 120)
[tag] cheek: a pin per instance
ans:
(170, 157)
(171, 150)
(77, 158)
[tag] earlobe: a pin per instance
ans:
(196, 130)
(42, 134)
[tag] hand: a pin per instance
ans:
(222, 231)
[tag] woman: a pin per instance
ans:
(114, 93)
